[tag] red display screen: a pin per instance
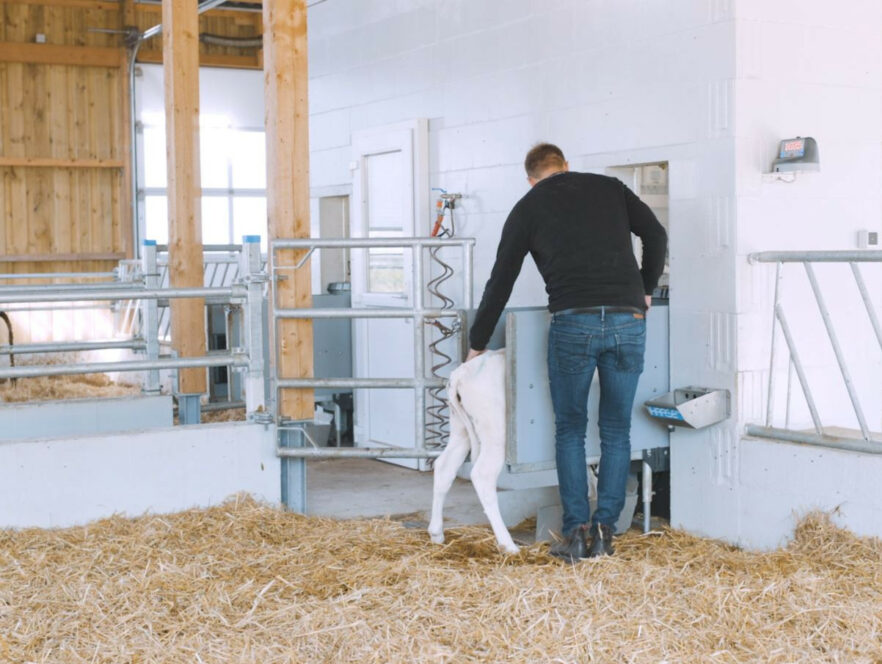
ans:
(792, 148)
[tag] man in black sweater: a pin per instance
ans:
(577, 227)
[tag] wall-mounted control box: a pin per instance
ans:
(797, 154)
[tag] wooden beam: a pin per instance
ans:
(84, 4)
(210, 60)
(52, 162)
(63, 258)
(287, 149)
(180, 44)
(52, 54)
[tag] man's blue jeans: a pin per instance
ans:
(579, 343)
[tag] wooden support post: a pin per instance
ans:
(180, 42)
(287, 154)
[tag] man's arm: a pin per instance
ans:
(646, 226)
(513, 247)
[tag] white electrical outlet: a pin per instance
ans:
(868, 239)
(40, 38)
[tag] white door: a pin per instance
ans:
(390, 199)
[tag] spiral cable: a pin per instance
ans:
(437, 422)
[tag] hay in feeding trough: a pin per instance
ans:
(247, 583)
(45, 388)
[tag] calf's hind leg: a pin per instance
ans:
(446, 466)
(484, 475)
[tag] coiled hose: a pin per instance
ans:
(437, 422)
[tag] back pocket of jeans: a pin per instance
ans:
(568, 352)
(630, 349)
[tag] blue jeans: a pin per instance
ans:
(614, 344)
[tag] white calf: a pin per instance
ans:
(476, 395)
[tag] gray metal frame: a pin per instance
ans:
(247, 290)
(807, 258)
(418, 312)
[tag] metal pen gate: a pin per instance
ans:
(419, 312)
(868, 442)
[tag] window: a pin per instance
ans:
(233, 175)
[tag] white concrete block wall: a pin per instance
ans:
(612, 83)
(803, 68)
(710, 86)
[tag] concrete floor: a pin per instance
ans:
(359, 488)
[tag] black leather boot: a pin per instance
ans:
(601, 541)
(572, 548)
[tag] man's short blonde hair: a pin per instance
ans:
(541, 157)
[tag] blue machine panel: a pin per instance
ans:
(530, 417)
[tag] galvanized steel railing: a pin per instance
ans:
(867, 442)
(247, 290)
(418, 312)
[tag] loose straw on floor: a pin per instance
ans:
(245, 582)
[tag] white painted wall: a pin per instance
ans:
(710, 86)
(68, 481)
(802, 68)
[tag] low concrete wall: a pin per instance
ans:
(754, 491)
(67, 481)
(75, 417)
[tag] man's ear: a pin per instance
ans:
(566, 166)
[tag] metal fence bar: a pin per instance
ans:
(420, 382)
(357, 383)
(807, 393)
(848, 256)
(837, 350)
(356, 453)
(363, 313)
(770, 402)
(372, 242)
(123, 294)
(871, 446)
(419, 350)
(59, 275)
(30, 371)
(865, 296)
(74, 346)
(150, 313)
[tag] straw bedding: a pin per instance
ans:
(43, 388)
(247, 583)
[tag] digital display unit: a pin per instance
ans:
(792, 148)
(797, 154)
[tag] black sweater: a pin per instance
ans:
(577, 227)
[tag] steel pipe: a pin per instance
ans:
(356, 453)
(419, 350)
(138, 365)
(76, 346)
(871, 446)
(123, 294)
(865, 296)
(837, 350)
(357, 383)
(59, 275)
(363, 313)
(364, 242)
(847, 256)
(800, 373)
